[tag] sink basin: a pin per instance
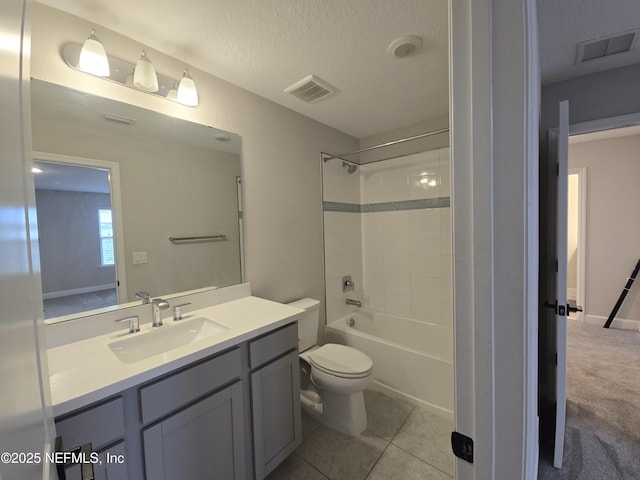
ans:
(163, 339)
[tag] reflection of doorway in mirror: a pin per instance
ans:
(77, 233)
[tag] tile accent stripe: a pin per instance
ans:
(440, 202)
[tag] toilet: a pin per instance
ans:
(332, 376)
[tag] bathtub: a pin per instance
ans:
(410, 357)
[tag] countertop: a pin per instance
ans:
(87, 371)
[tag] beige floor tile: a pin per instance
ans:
(397, 464)
(385, 415)
(341, 457)
(295, 468)
(428, 437)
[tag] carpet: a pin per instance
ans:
(602, 439)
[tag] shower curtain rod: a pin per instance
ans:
(387, 144)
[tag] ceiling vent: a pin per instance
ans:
(311, 89)
(604, 47)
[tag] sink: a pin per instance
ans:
(163, 339)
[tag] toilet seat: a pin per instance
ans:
(341, 361)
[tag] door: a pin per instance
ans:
(275, 398)
(553, 290)
(203, 441)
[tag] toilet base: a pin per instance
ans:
(345, 413)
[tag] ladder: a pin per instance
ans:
(623, 295)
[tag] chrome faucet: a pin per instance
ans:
(177, 313)
(134, 323)
(158, 304)
(144, 296)
(357, 303)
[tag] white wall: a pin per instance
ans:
(573, 213)
(69, 240)
(613, 224)
(280, 151)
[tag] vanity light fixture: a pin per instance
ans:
(93, 58)
(187, 93)
(144, 77)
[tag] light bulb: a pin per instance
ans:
(93, 58)
(172, 94)
(144, 77)
(187, 93)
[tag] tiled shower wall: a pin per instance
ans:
(395, 239)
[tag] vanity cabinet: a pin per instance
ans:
(204, 440)
(275, 398)
(234, 416)
(103, 426)
(192, 440)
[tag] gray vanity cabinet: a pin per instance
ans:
(232, 416)
(275, 398)
(203, 441)
(103, 426)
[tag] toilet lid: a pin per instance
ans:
(341, 360)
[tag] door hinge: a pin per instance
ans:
(556, 266)
(557, 169)
(556, 359)
(462, 446)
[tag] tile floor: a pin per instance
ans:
(402, 442)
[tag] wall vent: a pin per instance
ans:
(605, 47)
(311, 89)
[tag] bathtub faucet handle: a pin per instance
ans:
(348, 284)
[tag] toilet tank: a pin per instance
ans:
(308, 324)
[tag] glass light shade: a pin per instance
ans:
(93, 58)
(144, 77)
(172, 94)
(187, 93)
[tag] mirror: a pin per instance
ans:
(130, 200)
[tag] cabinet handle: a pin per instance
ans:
(84, 453)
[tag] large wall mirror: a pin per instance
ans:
(129, 200)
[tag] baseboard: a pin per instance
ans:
(392, 392)
(621, 323)
(78, 291)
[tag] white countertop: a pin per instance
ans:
(87, 371)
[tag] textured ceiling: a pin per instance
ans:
(266, 45)
(564, 24)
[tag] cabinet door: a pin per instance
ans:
(203, 441)
(112, 465)
(275, 400)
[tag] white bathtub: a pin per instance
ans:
(410, 357)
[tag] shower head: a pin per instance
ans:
(351, 167)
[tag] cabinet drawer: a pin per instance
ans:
(170, 393)
(273, 344)
(99, 425)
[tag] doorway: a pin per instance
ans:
(602, 392)
(576, 237)
(79, 234)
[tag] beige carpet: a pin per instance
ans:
(603, 405)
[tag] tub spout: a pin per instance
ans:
(357, 303)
